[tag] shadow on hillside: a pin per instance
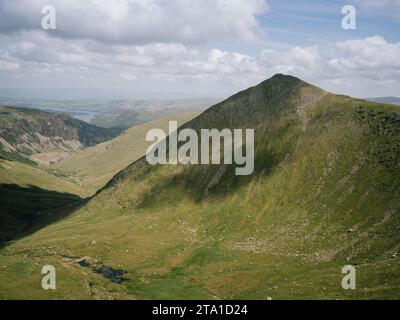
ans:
(213, 182)
(25, 210)
(275, 143)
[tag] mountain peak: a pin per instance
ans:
(258, 104)
(284, 79)
(283, 76)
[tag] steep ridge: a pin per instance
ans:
(324, 194)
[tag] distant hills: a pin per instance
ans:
(38, 136)
(324, 194)
(391, 100)
(123, 113)
(128, 113)
(93, 167)
(30, 193)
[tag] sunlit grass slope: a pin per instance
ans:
(324, 194)
(32, 195)
(27, 192)
(93, 167)
(23, 175)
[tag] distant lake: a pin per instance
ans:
(86, 116)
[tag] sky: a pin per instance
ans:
(196, 48)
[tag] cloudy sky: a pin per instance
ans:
(190, 48)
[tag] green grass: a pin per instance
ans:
(93, 167)
(323, 195)
(23, 175)
(29, 193)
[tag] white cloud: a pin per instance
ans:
(364, 67)
(8, 66)
(361, 67)
(222, 62)
(172, 43)
(40, 56)
(299, 61)
(140, 21)
(348, 65)
(371, 53)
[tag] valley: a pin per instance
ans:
(36, 186)
(93, 167)
(324, 194)
(112, 113)
(33, 136)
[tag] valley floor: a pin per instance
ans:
(325, 193)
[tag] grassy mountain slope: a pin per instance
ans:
(14, 172)
(324, 194)
(93, 167)
(29, 193)
(25, 134)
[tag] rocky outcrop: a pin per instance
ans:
(26, 132)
